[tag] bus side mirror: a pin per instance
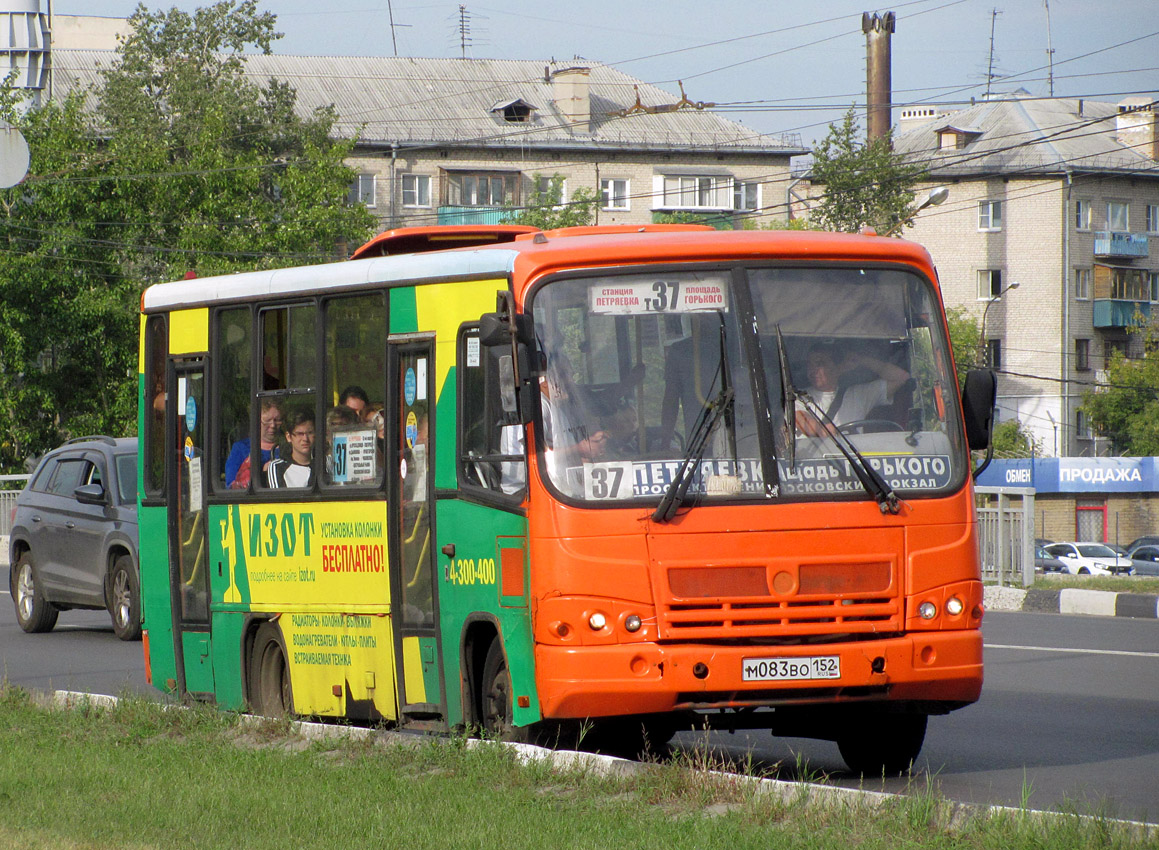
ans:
(979, 396)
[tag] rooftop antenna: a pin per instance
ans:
(990, 68)
(464, 29)
(1049, 49)
(390, 12)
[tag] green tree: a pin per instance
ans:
(547, 210)
(965, 336)
(1011, 440)
(866, 183)
(175, 163)
(1126, 407)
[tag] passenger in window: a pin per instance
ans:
(846, 386)
(297, 470)
(355, 398)
(338, 418)
(237, 465)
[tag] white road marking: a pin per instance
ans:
(1072, 650)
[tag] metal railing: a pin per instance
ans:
(1006, 534)
(10, 486)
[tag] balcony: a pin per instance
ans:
(473, 215)
(1120, 313)
(1116, 243)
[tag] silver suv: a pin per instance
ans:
(74, 536)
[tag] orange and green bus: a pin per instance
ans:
(636, 478)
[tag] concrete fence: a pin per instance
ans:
(1006, 534)
(10, 486)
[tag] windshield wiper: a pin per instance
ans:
(678, 490)
(787, 431)
(873, 483)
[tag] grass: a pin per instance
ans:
(1119, 584)
(138, 776)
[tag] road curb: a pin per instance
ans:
(1095, 603)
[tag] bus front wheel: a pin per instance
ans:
(884, 744)
(270, 691)
(495, 698)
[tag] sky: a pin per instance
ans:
(777, 67)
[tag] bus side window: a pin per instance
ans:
(492, 446)
(354, 384)
(234, 339)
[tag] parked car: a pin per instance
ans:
(1042, 541)
(1145, 540)
(1096, 559)
(1047, 563)
(1145, 559)
(74, 536)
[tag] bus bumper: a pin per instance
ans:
(647, 678)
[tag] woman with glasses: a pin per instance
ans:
(237, 465)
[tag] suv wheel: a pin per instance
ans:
(125, 599)
(34, 613)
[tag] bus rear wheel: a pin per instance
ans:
(495, 700)
(270, 692)
(883, 744)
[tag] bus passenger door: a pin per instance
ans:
(411, 505)
(189, 571)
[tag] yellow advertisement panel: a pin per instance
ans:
(306, 556)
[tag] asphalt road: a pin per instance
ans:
(1069, 715)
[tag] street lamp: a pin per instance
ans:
(982, 342)
(936, 196)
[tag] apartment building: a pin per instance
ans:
(1050, 238)
(464, 141)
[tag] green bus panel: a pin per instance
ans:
(198, 662)
(156, 603)
(228, 659)
(469, 586)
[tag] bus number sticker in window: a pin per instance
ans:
(353, 457)
(661, 296)
(608, 480)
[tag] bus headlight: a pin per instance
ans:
(597, 621)
(954, 606)
(633, 622)
(928, 610)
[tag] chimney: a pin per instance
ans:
(1135, 126)
(571, 93)
(879, 84)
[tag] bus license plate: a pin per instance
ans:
(788, 669)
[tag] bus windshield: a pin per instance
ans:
(736, 380)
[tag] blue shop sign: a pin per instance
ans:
(1075, 474)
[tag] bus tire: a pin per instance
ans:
(34, 612)
(883, 744)
(495, 699)
(125, 599)
(271, 694)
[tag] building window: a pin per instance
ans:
(614, 194)
(551, 190)
(362, 191)
(1113, 348)
(1153, 218)
(416, 190)
(989, 284)
(1117, 216)
(990, 215)
(1154, 285)
(746, 195)
(1082, 215)
(481, 190)
(994, 353)
(1082, 425)
(1082, 284)
(698, 193)
(1082, 355)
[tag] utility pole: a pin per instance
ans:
(878, 80)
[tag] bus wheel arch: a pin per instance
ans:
(479, 633)
(270, 690)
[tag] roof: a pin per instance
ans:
(1020, 134)
(527, 258)
(409, 101)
